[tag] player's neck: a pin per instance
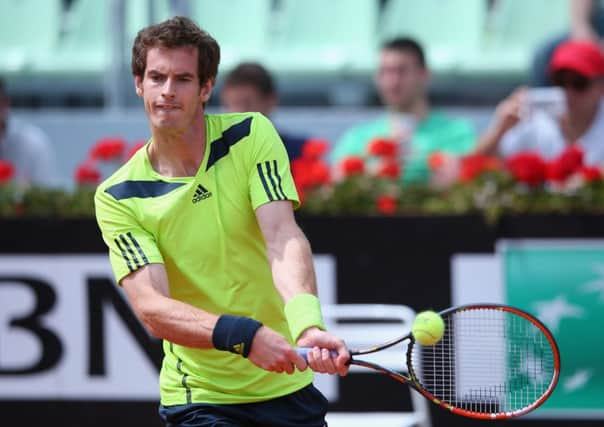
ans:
(178, 152)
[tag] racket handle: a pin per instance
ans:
(303, 351)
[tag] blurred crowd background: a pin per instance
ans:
(322, 69)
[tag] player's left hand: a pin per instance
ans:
(319, 358)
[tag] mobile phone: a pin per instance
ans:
(550, 100)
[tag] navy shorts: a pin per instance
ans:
(304, 408)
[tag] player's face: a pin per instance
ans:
(170, 88)
(243, 98)
(400, 79)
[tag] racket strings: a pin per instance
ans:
(488, 361)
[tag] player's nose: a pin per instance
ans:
(168, 89)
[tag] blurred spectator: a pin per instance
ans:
(578, 68)
(402, 82)
(250, 87)
(586, 23)
(26, 147)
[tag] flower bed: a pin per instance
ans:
(371, 184)
(104, 156)
(366, 185)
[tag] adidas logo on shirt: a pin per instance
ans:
(201, 193)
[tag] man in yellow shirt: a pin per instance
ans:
(202, 237)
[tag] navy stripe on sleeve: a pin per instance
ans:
(129, 249)
(124, 255)
(271, 179)
(264, 183)
(280, 187)
(138, 248)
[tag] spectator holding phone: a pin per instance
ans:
(519, 125)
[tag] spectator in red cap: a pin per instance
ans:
(586, 19)
(578, 68)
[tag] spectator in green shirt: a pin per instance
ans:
(402, 82)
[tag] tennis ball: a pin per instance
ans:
(428, 328)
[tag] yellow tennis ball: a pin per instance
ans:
(428, 328)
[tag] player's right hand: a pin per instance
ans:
(272, 352)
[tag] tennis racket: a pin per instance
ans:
(493, 362)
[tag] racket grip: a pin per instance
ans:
(303, 351)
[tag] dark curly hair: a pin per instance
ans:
(177, 32)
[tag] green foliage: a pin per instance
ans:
(492, 194)
(46, 203)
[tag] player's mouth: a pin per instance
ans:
(166, 107)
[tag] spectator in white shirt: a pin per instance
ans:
(27, 148)
(578, 68)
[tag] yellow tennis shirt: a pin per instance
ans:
(205, 232)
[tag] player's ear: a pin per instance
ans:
(138, 85)
(206, 90)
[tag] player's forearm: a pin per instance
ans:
(177, 322)
(290, 258)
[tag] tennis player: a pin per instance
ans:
(202, 237)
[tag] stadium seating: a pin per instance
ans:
(241, 27)
(84, 47)
(139, 14)
(305, 42)
(513, 32)
(447, 28)
(319, 37)
(30, 28)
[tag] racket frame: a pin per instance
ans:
(414, 382)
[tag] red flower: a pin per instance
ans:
(389, 169)
(108, 149)
(591, 174)
(383, 147)
(352, 166)
(527, 167)
(386, 205)
(300, 173)
(314, 148)
(436, 160)
(318, 172)
(87, 174)
(7, 171)
(309, 173)
(566, 164)
(134, 148)
(474, 165)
